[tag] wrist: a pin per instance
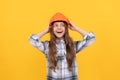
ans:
(46, 31)
(76, 28)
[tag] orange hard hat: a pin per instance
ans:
(58, 17)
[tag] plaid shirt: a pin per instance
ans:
(62, 72)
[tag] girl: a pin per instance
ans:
(61, 50)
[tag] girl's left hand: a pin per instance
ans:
(72, 26)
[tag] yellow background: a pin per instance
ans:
(20, 18)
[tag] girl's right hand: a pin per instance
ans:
(47, 29)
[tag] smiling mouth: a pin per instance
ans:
(59, 31)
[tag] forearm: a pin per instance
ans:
(81, 31)
(40, 34)
(34, 41)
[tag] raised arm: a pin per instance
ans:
(88, 38)
(35, 41)
(40, 34)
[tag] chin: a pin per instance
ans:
(59, 36)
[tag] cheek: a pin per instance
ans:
(54, 30)
(64, 29)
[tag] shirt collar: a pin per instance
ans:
(60, 41)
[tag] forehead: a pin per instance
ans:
(58, 22)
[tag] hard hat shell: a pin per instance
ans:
(58, 17)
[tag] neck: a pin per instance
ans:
(59, 38)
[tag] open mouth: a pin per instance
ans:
(59, 31)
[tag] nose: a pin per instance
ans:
(59, 26)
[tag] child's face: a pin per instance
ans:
(59, 29)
